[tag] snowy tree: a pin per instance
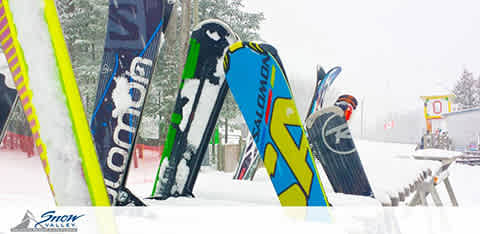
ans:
(467, 91)
(169, 68)
(246, 25)
(84, 26)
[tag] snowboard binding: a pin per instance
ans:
(348, 104)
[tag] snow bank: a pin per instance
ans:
(436, 153)
(388, 174)
(25, 181)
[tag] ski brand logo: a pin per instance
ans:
(49, 223)
(276, 127)
(334, 134)
(261, 96)
(341, 132)
(119, 153)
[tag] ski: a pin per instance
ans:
(248, 163)
(8, 97)
(324, 80)
(333, 145)
(260, 87)
(134, 33)
(320, 74)
(199, 101)
(38, 59)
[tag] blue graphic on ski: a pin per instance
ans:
(260, 87)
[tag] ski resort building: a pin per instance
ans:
(464, 128)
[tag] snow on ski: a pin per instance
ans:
(32, 37)
(134, 34)
(8, 96)
(199, 101)
(333, 145)
(260, 87)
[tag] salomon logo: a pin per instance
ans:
(261, 97)
(118, 156)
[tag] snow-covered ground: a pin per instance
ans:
(23, 181)
(221, 204)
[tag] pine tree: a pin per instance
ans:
(467, 91)
(168, 70)
(84, 26)
(246, 25)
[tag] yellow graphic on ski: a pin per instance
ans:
(259, 85)
(35, 49)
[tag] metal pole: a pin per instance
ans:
(195, 12)
(448, 186)
(362, 119)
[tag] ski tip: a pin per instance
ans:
(320, 72)
(335, 71)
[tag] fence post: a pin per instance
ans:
(135, 160)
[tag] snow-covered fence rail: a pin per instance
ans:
(428, 186)
(395, 179)
(470, 158)
(402, 180)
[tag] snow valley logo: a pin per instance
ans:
(49, 222)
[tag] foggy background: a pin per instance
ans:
(391, 52)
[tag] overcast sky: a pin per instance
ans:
(412, 47)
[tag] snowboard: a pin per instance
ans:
(260, 87)
(132, 43)
(8, 97)
(333, 145)
(199, 100)
(248, 163)
(324, 80)
(51, 101)
(348, 104)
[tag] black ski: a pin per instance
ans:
(134, 32)
(199, 101)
